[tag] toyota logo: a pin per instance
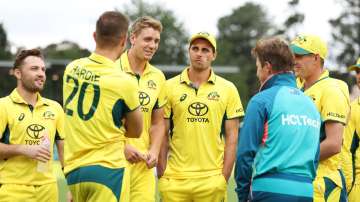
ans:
(35, 130)
(198, 109)
(144, 98)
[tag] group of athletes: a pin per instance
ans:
(121, 119)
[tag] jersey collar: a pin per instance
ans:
(184, 77)
(16, 98)
(124, 64)
(280, 79)
(324, 75)
(100, 59)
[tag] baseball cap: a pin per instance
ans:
(309, 44)
(204, 35)
(355, 66)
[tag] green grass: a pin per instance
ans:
(63, 187)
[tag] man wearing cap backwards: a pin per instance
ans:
(332, 100)
(201, 109)
(143, 152)
(279, 143)
(352, 135)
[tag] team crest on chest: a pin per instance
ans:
(151, 84)
(49, 115)
(213, 96)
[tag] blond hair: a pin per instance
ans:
(145, 22)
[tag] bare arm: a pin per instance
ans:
(231, 138)
(133, 124)
(34, 152)
(331, 145)
(161, 166)
(157, 133)
(60, 150)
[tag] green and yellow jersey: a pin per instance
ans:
(96, 98)
(351, 159)
(197, 117)
(151, 96)
(21, 123)
(331, 97)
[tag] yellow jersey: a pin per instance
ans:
(21, 123)
(151, 96)
(96, 98)
(351, 158)
(331, 97)
(197, 117)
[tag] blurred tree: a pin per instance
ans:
(238, 33)
(5, 53)
(289, 29)
(65, 50)
(346, 33)
(173, 40)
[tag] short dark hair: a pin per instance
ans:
(275, 51)
(110, 27)
(23, 54)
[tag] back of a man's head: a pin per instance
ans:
(275, 51)
(110, 27)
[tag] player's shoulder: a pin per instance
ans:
(174, 80)
(118, 81)
(156, 71)
(76, 62)
(52, 103)
(5, 100)
(223, 81)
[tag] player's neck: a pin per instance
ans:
(197, 77)
(29, 97)
(313, 78)
(137, 65)
(108, 53)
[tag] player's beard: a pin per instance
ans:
(30, 86)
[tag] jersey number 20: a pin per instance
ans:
(83, 87)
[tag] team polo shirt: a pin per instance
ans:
(97, 97)
(197, 117)
(21, 123)
(151, 96)
(351, 159)
(299, 82)
(331, 98)
(355, 121)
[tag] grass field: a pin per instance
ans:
(63, 188)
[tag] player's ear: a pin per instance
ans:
(215, 54)
(268, 67)
(17, 73)
(132, 39)
(94, 36)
